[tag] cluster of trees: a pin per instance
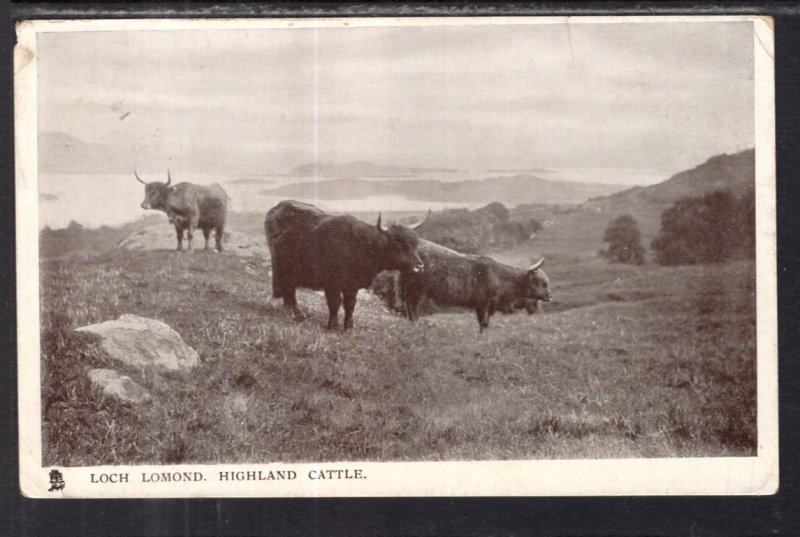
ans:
(478, 231)
(624, 241)
(717, 227)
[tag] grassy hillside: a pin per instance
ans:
(578, 229)
(722, 172)
(626, 362)
(75, 242)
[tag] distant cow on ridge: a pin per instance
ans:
(339, 254)
(189, 207)
(471, 281)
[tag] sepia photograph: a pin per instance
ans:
(396, 257)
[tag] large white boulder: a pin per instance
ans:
(139, 341)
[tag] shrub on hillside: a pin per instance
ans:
(460, 229)
(519, 231)
(498, 210)
(708, 229)
(624, 241)
(478, 231)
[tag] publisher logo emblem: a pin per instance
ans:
(56, 481)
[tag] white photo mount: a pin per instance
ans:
(753, 475)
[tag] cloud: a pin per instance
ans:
(559, 95)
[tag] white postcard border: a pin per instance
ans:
(677, 476)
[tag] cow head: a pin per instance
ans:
(403, 244)
(537, 283)
(155, 193)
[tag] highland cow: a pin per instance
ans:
(338, 254)
(189, 207)
(471, 281)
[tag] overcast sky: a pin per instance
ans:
(622, 103)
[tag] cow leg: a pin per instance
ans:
(404, 295)
(179, 233)
(290, 302)
(411, 297)
(206, 235)
(334, 299)
(277, 292)
(483, 316)
(218, 234)
(193, 221)
(349, 306)
(275, 267)
(412, 307)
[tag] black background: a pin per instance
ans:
(725, 516)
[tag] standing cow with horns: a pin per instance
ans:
(471, 281)
(189, 207)
(336, 253)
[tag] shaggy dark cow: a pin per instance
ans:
(189, 207)
(471, 281)
(339, 254)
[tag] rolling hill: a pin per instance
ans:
(579, 229)
(60, 152)
(722, 172)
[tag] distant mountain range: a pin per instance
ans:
(251, 181)
(62, 153)
(522, 170)
(362, 169)
(511, 190)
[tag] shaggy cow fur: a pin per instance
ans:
(339, 254)
(189, 207)
(451, 278)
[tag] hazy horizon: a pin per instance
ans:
(629, 103)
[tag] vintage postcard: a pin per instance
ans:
(486, 256)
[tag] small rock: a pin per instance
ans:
(140, 341)
(119, 386)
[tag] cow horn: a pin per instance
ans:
(379, 226)
(169, 179)
(137, 177)
(536, 265)
(418, 224)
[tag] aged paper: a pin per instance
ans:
(647, 372)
